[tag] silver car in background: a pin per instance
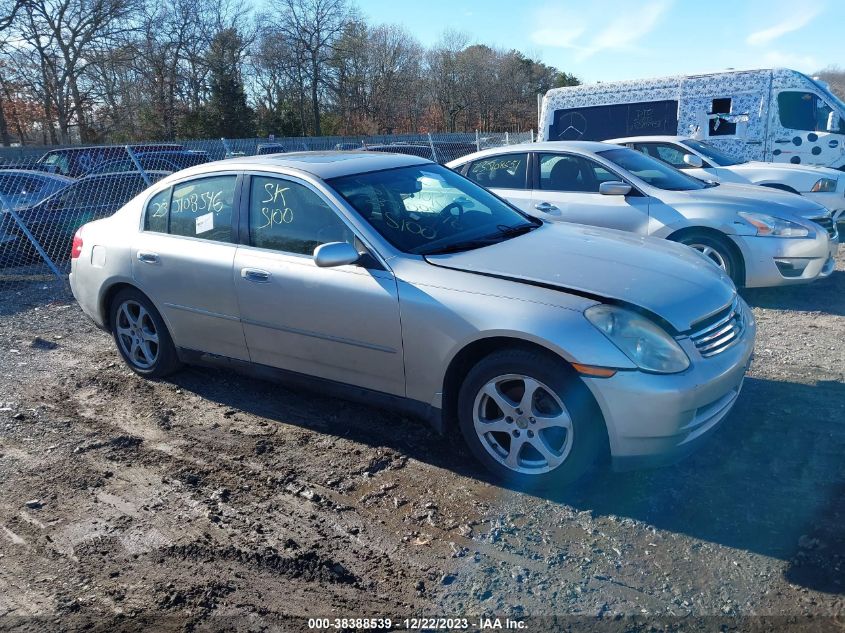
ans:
(760, 237)
(395, 280)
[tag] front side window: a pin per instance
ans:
(203, 208)
(654, 172)
(565, 172)
(287, 216)
(711, 153)
(429, 209)
(505, 171)
(661, 151)
(155, 215)
(16, 185)
(803, 111)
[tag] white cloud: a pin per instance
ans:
(616, 26)
(795, 21)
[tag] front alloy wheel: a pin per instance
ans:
(528, 417)
(522, 424)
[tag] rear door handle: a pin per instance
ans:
(545, 207)
(147, 258)
(256, 275)
(783, 140)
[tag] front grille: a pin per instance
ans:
(828, 225)
(719, 334)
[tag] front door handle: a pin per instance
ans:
(545, 207)
(147, 258)
(256, 275)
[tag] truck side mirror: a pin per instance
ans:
(832, 122)
(693, 161)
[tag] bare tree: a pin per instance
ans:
(313, 27)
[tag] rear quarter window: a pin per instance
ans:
(155, 215)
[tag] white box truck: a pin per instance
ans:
(775, 115)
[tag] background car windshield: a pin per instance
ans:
(654, 172)
(711, 153)
(428, 208)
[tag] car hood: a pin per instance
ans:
(664, 278)
(755, 198)
(816, 171)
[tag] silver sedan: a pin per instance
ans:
(393, 279)
(760, 237)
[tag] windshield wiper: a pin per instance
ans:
(504, 232)
(466, 245)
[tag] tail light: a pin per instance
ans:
(76, 249)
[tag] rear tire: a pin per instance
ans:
(718, 250)
(141, 335)
(528, 418)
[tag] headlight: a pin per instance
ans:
(824, 185)
(770, 226)
(646, 344)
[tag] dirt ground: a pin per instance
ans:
(214, 501)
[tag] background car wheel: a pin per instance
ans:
(717, 250)
(530, 420)
(141, 335)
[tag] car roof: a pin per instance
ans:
(583, 147)
(37, 173)
(646, 139)
(123, 174)
(324, 165)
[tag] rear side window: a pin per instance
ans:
(500, 172)
(287, 216)
(155, 215)
(203, 208)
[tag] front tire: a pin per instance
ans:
(141, 335)
(717, 250)
(527, 417)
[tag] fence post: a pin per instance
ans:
(431, 145)
(507, 139)
(226, 147)
(532, 134)
(138, 166)
(477, 142)
(14, 214)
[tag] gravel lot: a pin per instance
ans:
(215, 501)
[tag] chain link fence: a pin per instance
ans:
(47, 193)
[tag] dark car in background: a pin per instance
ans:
(54, 220)
(24, 188)
(154, 161)
(78, 161)
(438, 151)
(281, 148)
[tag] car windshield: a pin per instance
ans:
(428, 209)
(711, 153)
(654, 172)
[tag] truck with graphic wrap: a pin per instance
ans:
(773, 115)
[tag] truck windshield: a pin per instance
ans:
(654, 172)
(711, 153)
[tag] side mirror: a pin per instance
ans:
(335, 254)
(614, 188)
(693, 161)
(832, 123)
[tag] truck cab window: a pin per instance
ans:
(717, 126)
(803, 111)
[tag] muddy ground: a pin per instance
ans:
(213, 501)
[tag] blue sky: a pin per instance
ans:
(602, 40)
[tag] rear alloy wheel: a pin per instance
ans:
(717, 251)
(525, 417)
(141, 336)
